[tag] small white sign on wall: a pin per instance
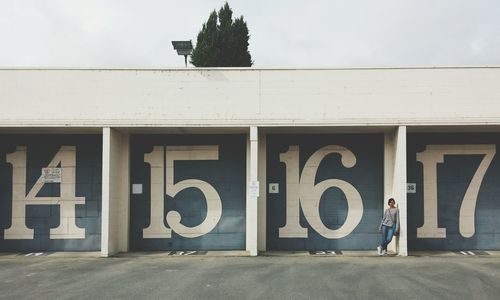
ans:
(51, 175)
(137, 188)
(411, 188)
(253, 189)
(274, 188)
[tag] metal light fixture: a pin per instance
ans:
(183, 48)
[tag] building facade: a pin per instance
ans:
(248, 159)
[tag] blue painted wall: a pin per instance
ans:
(366, 176)
(227, 175)
(40, 151)
(453, 178)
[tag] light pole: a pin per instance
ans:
(183, 48)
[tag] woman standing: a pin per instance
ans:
(389, 226)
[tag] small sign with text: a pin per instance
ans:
(411, 188)
(51, 175)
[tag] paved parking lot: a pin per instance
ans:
(143, 276)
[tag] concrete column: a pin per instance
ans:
(395, 182)
(262, 202)
(252, 207)
(115, 192)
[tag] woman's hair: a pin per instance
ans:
(391, 199)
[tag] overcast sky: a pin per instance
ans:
(284, 33)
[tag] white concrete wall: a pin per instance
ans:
(115, 192)
(237, 97)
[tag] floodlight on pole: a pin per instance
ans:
(183, 48)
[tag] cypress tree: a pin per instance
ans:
(222, 41)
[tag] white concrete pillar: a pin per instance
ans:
(395, 182)
(252, 193)
(115, 192)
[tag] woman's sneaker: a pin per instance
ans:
(379, 250)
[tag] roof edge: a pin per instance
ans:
(246, 68)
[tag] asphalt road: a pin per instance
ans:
(281, 277)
